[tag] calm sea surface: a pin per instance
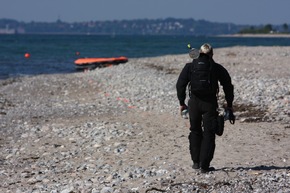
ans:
(56, 53)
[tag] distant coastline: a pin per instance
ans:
(257, 35)
(167, 26)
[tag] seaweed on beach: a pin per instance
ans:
(4, 103)
(9, 81)
(162, 68)
(250, 112)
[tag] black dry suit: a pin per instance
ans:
(203, 109)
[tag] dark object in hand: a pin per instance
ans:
(229, 115)
(220, 123)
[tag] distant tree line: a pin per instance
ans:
(265, 29)
(168, 26)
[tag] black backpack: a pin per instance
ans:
(202, 81)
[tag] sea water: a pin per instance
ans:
(50, 54)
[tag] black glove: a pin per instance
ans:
(229, 115)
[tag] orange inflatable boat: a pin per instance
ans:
(92, 63)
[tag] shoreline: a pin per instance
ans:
(6, 77)
(256, 35)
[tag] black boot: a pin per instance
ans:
(195, 165)
(206, 170)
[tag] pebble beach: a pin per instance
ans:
(118, 129)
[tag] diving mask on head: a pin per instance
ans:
(193, 52)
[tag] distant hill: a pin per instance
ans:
(169, 26)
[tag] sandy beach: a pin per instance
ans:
(118, 129)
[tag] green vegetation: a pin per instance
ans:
(267, 29)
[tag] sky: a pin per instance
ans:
(249, 12)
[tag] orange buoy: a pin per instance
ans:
(27, 55)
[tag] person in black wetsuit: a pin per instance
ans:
(202, 107)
